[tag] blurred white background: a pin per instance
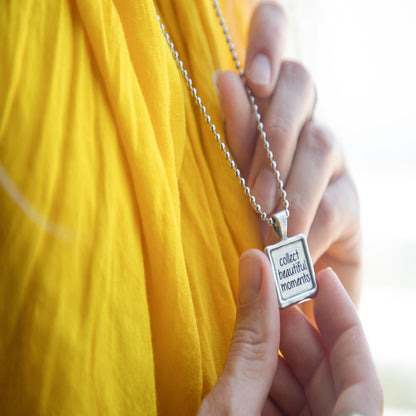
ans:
(362, 54)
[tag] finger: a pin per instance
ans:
(335, 232)
(317, 160)
(337, 216)
(286, 390)
(240, 125)
(302, 348)
(288, 111)
(355, 377)
(251, 363)
(266, 42)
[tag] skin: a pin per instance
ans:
(333, 375)
(323, 199)
(325, 366)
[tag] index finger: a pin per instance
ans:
(266, 42)
(355, 377)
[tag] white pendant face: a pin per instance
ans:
(293, 270)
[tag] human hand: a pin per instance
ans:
(325, 371)
(323, 199)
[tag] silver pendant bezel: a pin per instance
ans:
(300, 297)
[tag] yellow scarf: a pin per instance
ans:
(121, 223)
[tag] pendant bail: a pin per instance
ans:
(280, 224)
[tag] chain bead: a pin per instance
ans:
(260, 128)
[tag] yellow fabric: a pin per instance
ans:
(121, 223)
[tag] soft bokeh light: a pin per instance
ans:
(364, 64)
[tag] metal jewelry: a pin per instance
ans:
(290, 258)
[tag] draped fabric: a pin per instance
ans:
(121, 223)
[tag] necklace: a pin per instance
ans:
(290, 258)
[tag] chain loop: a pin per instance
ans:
(254, 108)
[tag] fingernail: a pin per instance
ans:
(215, 79)
(259, 70)
(250, 278)
(265, 189)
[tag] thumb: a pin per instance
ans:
(244, 384)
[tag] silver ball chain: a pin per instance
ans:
(256, 206)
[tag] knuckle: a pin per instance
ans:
(247, 348)
(328, 211)
(267, 28)
(273, 12)
(279, 130)
(353, 190)
(320, 140)
(250, 342)
(351, 197)
(296, 72)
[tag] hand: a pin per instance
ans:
(325, 371)
(323, 199)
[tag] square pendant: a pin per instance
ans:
(293, 270)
